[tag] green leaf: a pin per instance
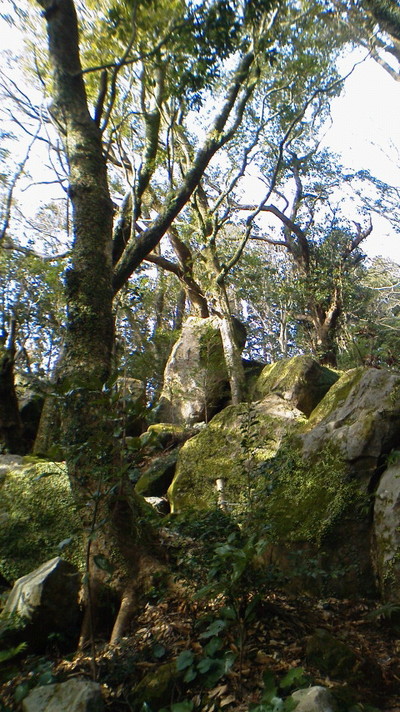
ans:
(184, 660)
(159, 650)
(295, 676)
(64, 543)
(204, 665)
(184, 706)
(103, 563)
(46, 678)
(21, 691)
(213, 646)
(190, 674)
(270, 688)
(214, 629)
(12, 652)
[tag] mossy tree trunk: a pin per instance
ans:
(109, 510)
(11, 429)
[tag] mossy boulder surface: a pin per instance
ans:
(299, 380)
(156, 687)
(233, 444)
(156, 478)
(196, 383)
(360, 416)
(37, 513)
(387, 532)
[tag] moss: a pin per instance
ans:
(156, 688)
(234, 443)
(300, 379)
(156, 479)
(36, 513)
(302, 498)
(336, 396)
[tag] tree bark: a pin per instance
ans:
(108, 507)
(11, 429)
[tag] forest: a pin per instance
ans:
(199, 363)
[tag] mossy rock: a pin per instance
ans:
(232, 445)
(156, 688)
(299, 380)
(330, 655)
(37, 513)
(360, 416)
(160, 436)
(387, 531)
(156, 478)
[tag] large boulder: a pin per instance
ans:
(387, 532)
(195, 377)
(227, 450)
(300, 381)
(47, 600)
(360, 417)
(37, 513)
(74, 695)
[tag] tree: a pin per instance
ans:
(94, 466)
(373, 24)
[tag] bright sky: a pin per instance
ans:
(366, 132)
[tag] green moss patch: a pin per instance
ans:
(234, 443)
(37, 513)
(300, 380)
(301, 499)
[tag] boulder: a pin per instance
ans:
(360, 417)
(157, 477)
(37, 513)
(71, 696)
(196, 383)
(300, 381)
(387, 533)
(156, 689)
(47, 600)
(313, 699)
(232, 444)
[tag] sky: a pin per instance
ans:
(365, 132)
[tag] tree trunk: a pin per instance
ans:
(232, 351)
(109, 509)
(11, 429)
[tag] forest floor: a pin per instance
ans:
(276, 640)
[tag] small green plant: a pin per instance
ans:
(273, 696)
(387, 612)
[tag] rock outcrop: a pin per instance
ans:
(300, 381)
(195, 378)
(37, 513)
(387, 532)
(71, 696)
(234, 443)
(360, 416)
(311, 479)
(47, 600)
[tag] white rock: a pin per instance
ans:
(70, 696)
(313, 699)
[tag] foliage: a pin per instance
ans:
(271, 699)
(38, 519)
(199, 532)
